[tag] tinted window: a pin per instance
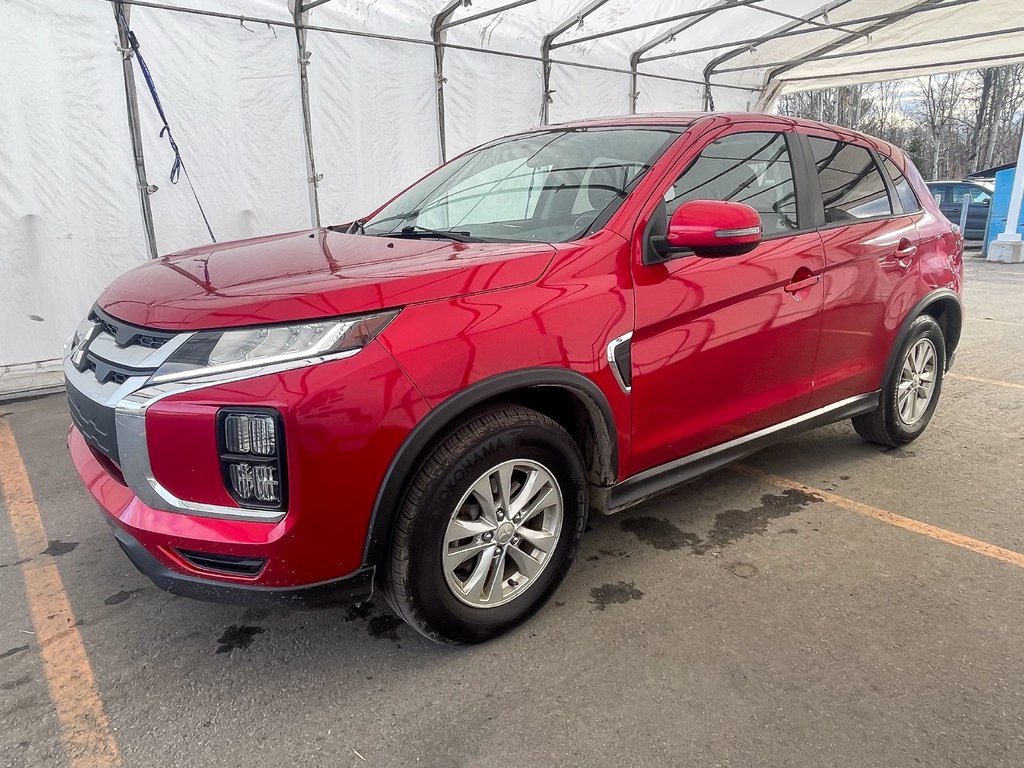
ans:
(751, 168)
(940, 192)
(904, 192)
(851, 184)
(975, 193)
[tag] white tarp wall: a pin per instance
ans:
(69, 212)
(70, 216)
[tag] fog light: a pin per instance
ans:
(257, 482)
(250, 433)
(252, 456)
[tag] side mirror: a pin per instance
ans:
(710, 228)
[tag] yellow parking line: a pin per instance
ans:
(88, 740)
(979, 380)
(907, 523)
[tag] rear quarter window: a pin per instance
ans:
(904, 192)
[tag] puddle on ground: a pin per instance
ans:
(730, 525)
(609, 594)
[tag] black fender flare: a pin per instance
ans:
(949, 299)
(404, 462)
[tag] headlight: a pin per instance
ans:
(209, 352)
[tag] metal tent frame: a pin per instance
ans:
(559, 37)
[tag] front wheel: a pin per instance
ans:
(912, 391)
(489, 526)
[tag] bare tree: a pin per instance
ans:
(939, 101)
(950, 124)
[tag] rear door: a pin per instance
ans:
(723, 347)
(871, 266)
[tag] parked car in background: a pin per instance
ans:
(950, 197)
(430, 401)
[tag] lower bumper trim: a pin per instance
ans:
(354, 588)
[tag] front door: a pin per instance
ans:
(723, 347)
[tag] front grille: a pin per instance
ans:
(128, 335)
(105, 371)
(95, 421)
(229, 564)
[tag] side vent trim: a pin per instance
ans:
(620, 359)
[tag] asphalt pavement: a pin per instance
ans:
(828, 603)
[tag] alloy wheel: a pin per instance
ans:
(502, 533)
(916, 386)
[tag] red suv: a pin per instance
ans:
(429, 401)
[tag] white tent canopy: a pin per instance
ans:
(286, 117)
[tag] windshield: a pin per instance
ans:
(548, 187)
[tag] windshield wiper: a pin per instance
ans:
(417, 231)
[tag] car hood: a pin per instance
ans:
(312, 274)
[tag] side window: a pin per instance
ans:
(751, 168)
(975, 193)
(940, 192)
(905, 192)
(851, 184)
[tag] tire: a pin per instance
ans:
(446, 598)
(903, 413)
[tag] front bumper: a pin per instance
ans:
(351, 589)
(344, 421)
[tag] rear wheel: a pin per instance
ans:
(912, 391)
(489, 526)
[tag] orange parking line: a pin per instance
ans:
(87, 736)
(979, 380)
(907, 523)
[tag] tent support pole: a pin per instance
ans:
(437, 25)
(637, 56)
(709, 70)
(312, 177)
(1007, 246)
(771, 90)
(135, 133)
(545, 53)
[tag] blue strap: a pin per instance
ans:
(178, 167)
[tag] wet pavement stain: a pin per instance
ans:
(592, 558)
(660, 534)
(384, 627)
(743, 570)
(359, 611)
(119, 597)
(12, 651)
(735, 524)
(610, 594)
(58, 547)
(238, 637)
(10, 686)
(729, 527)
(16, 562)
(380, 624)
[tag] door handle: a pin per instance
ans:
(801, 283)
(905, 251)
